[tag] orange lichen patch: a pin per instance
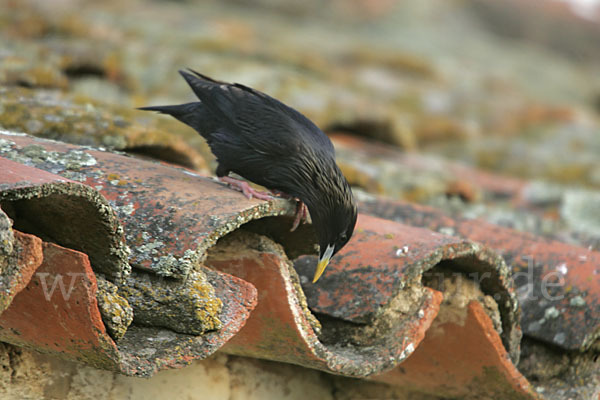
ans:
(462, 358)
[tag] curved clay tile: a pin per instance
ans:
(374, 304)
(42, 282)
(556, 282)
(372, 307)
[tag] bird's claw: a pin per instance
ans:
(301, 215)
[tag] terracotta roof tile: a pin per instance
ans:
(170, 215)
(57, 312)
(23, 257)
(377, 166)
(462, 358)
(282, 329)
(556, 282)
(47, 204)
(376, 304)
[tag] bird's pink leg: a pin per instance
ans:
(301, 215)
(245, 188)
(301, 210)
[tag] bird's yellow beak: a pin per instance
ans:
(323, 261)
(320, 268)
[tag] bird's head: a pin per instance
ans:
(334, 229)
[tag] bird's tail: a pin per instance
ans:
(192, 114)
(176, 111)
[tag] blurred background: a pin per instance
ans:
(484, 108)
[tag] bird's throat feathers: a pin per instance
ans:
(332, 207)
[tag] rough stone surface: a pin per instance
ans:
(6, 240)
(81, 120)
(560, 375)
(190, 306)
(28, 375)
(116, 312)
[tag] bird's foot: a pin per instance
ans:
(245, 188)
(301, 215)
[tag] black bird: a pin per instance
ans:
(275, 146)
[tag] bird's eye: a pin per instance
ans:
(343, 237)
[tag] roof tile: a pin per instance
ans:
(57, 311)
(373, 304)
(46, 204)
(548, 275)
(463, 358)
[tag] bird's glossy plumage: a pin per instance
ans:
(273, 145)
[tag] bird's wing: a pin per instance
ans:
(265, 124)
